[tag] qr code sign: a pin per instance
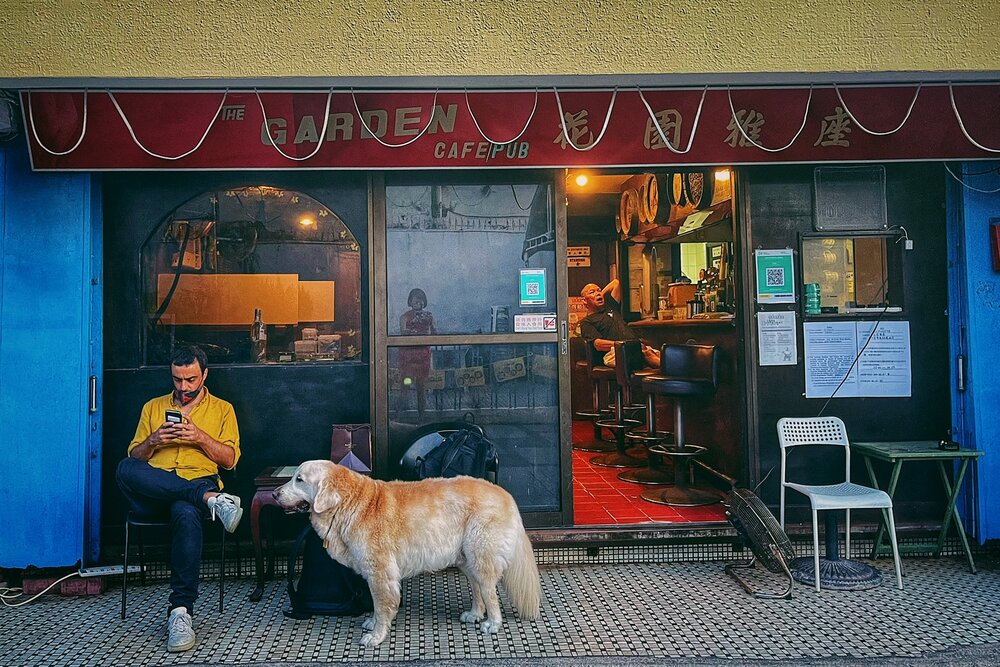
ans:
(775, 276)
(534, 289)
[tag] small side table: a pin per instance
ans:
(266, 482)
(897, 453)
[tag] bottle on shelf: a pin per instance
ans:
(258, 338)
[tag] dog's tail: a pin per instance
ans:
(521, 580)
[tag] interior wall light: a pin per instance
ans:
(722, 175)
(581, 180)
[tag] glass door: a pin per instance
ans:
(470, 323)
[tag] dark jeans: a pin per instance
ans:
(155, 493)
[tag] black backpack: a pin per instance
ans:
(325, 587)
(463, 452)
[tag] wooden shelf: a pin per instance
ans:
(711, 230)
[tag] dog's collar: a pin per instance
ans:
(326, 538)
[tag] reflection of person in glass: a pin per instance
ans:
(415, 362)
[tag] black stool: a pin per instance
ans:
(689, 371)
(600, 377)
(629, 365)
(138, 522)
(654, 472)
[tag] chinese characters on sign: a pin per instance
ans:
(400, 129)
(834, 130)
(576, 127)
(669, 121)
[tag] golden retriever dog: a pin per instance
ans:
(388, 531)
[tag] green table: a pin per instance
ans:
(897, 453)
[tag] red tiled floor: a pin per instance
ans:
(601, 499)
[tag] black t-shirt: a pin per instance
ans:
(607, 323)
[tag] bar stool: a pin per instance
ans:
(137, 522)
(630, 366)
(600, 377)
(690, 371)
(654, 472)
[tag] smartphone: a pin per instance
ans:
(175, 416)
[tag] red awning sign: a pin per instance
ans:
(98, 130)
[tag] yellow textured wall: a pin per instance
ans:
(274, 38)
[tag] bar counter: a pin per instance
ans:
(729, 322)
(711, 422)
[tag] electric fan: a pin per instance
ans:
(759, 530)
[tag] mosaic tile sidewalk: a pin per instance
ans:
(681, 610)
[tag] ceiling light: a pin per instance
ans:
(307, 221)
(581, 180)
(722, 175)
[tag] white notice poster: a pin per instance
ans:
(830, 348)
(882, 369)
(776, 340)
(884, 366)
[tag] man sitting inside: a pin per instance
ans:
(604, 324)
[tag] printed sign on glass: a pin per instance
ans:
(532, 287)
(775, 276)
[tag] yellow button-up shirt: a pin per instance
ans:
(212, 415)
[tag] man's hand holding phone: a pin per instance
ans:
(168, 431)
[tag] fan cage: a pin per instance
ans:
(759, 529)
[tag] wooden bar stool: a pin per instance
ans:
(690, 371)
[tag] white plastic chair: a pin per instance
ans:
(844, 496)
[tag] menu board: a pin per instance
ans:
(853, 359)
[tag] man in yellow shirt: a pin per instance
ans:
(172, 469)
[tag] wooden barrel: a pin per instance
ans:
(629, 212)
(651, 200)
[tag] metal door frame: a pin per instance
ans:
(380, 340)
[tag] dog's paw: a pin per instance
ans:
(368, 623)
(371, 639)
(490, 627)
(470, 617)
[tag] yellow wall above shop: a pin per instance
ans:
(306, 38)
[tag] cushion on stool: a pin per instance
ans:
(637, 377)
(603, 373)
(666, 385)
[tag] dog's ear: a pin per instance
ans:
(326, 497)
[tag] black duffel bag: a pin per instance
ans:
(324, 587)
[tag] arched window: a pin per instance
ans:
(221, 257)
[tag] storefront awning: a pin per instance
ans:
(102, 130)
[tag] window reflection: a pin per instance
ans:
(509, 390)
(462, 246)
(224, 256)
(855, 273)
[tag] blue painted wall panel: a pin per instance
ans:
(45, 312)
(974, 308)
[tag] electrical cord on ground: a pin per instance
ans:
(7, 594)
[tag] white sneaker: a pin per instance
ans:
(226, 508)
(180, 630)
